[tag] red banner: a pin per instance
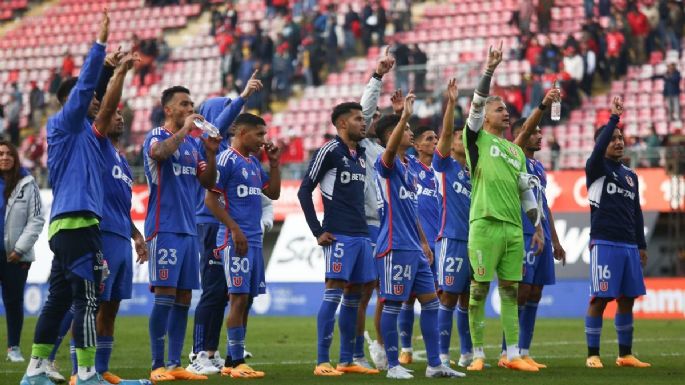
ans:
(665, 299)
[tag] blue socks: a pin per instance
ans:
(406, 324)
(347, 323)
(176, 333)
(358, 347)
(593, 330)
(103, 352)
(527, 324)
(159, 320)
(445, 327)
(236, 344)
(429, 330)
(465, 343)
(391, 312)
(325, 322)
(624, 330)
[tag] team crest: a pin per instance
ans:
(604, 286)
(422, 174)
(362, 162)
(630, 181)
(512, 150)
(244, 171)
(237, 281)
(449, 280)
(481, 270)
(347, 162)
(337, 267)
(397, 289)
(163, 274)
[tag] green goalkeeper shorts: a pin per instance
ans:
(495, 246)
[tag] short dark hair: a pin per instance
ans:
(344, 108)
(65, 89)
(517, 124)
(384, 126)
(247, 119)
(169, 93)
(418, 131)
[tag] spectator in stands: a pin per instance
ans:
(589, 67)
(36, 105)
(128, 116)
(283, 72)
(32, 150)
(550, 55)
(428, 111)
(280, 6)
(54, 81)
(513, 97)
(402, 54)
(68, 65)
(589, 6)
(13, 118)
(401, 15)
(293, 35)
(574, 67)
(639, 27)
(544, 15)
(419, 59)
(614, 47)
(375, 21)
(231, 15)
(17, 93)
(331, 40)
(533, 51)
(675, 22)
(652, 142)
(604, 7)
(157, 115)
(555, 151)
(163, 50)
(672, 91)
(525, 13)
(351, 31)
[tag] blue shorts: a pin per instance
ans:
(615, 270)
(119, 256)
(538, 269)
(350, 259)
(403, 273)
(244, 274)
(454, 271)
(373, 235)
(174, 261)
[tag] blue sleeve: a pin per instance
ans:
(440, 163)
(639, 220)
(594, 168)
(105, 74)
(264, 175)
(75, 109)
(318, 167)
(223, 174)
(382, 169)
(227, 116)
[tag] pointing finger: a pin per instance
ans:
(501, 43)
(387, 50)
(254, 73)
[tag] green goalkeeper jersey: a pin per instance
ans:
(495, 165)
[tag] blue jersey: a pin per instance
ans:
(455, 188)
(397, 193)
(118, 185)
(173, 186)
(614, 194)
(75, 162)
(341, 176)
(429, 200)
(240, 182)
(221, 112)
(535, 167)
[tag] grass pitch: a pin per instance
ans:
(285, 348)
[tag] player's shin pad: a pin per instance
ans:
(531, 204)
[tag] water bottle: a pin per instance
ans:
(555, 113)
(207, 128)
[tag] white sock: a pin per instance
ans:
(478, 352)
(444, 357)
(86, 372)
(525, 352)
(513, 352)
(407, 350)
(36, 366)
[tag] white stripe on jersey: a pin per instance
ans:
(320, 156)
(593, 267)
(224, 156)
(328, 183)
(594, 193)
(227, 264)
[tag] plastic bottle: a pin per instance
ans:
(207, 128)
(555, 113)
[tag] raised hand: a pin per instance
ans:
(409, 104)
(128, 61)
(617, 106)
(552, 96)
(113, 58)
(385, 63)
(397, 101)
(253, 85)
(211, 144)
(273, 152)
(452, 91)
(103, 34)
(494, 57)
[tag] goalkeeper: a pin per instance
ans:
(500, 188)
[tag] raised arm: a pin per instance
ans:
(533, 120)
(111, 62)
(225, 119)
(447, 134)
(596, 160)
(110, 102)
(476, 114)
(388, 156)
(75, 108)
(273, 190)
(372, 91)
